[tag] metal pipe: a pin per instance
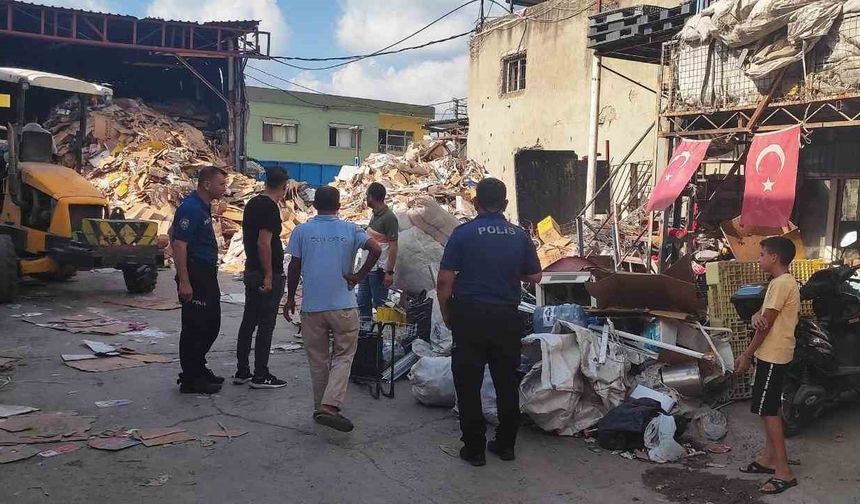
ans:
(82, 132)
(626, 157)
(591, 174)
(658, 344)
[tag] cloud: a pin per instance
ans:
(429, 75)
(266, 11)
(90, 5)
(424, 82)
(367, 25)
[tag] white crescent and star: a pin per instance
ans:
(685, 155)
(768, 184)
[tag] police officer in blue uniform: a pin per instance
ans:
(479, 288)
(195, 253)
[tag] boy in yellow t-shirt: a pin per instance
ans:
(773, 349)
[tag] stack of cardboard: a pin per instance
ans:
(145, 162)
(426, 169)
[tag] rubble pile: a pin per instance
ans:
(557, 241)
(426, 169)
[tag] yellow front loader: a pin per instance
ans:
(53, 222)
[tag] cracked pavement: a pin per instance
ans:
(393, 456)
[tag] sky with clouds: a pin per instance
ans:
(324, 28)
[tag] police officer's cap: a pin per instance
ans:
(491, 194)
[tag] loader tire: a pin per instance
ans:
(140, 279)
(8, 270)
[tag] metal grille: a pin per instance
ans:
(711, 76)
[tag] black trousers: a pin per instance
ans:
(486, 334)
(261, 313)
(201, 320)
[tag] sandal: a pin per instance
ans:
(756, 468)
(779, 486)
(335, 421)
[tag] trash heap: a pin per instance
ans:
(557, 242)
(629, 373)
(425, 169)
(145, 162)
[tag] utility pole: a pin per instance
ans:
(357, 131)
(456, 108)
(594, 112)
(481, 22)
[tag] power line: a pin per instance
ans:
(355, 58)
(299, 98)
(279, 59)
(341, 98)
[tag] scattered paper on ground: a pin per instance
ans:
(286, 347)
(112, 442)
(9, 410)
(44, 428)
(157, 481)
(146, 303)
(237, 298)
(112, 403)
(104, 364)
(174, 438)
(144, 434)
(59, 450)
(16, 453)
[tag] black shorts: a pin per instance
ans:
(767, 388)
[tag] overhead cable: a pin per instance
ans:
(385, 50)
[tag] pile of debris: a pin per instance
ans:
(599, 238)
(425, 169)
(145, 162)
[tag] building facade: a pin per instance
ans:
(313, 135)
(529, 97)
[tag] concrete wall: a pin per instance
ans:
(404, 123)
(312, 145)
(552, 111)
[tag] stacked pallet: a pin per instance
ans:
(629, 28)
(724, 278)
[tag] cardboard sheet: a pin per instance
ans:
(104, 364)
(146, 303)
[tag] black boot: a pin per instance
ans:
(503, 453)
(476, 459)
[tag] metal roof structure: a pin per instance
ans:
(35, 78)
(319, 100)
(77, 26)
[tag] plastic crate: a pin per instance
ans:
(724, 278)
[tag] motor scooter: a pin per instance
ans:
(826, 365)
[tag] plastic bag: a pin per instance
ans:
(441, 338)
(546, 316)
(660, 440)
(712, 424)
(553, 392)
(432, 381)
(488, 399)
(418, 258)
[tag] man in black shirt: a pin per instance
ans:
(264, 281)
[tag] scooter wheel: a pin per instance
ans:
(793, 419)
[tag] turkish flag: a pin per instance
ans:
(771, 177)
(685, 160)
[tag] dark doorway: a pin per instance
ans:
(553, 183)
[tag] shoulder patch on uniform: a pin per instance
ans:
(184, 223)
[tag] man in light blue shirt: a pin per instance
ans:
(323, 254)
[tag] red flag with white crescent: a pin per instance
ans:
(685, 160)
(771, 176)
